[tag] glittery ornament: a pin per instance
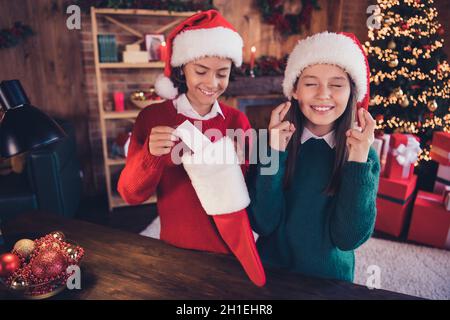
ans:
(73, 252)
(48, 264)
(8, 264)
(24, 247)
(59, 235)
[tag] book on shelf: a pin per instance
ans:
(107, 48)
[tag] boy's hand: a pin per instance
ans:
(161, 140)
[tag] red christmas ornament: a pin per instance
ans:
(49, 264)
(379, 117)
(440, 31)
(404, 26)
(8, 264)
(427, 47)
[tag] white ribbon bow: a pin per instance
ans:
(407, 155)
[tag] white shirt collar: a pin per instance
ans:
(329, 137)
(183, 106)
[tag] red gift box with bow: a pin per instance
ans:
(430, 223)
(403, 153)
(394, 203)
(440, 150)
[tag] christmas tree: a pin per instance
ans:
(410, 86)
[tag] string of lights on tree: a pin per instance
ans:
(410, 85)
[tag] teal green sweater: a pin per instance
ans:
(302, 229)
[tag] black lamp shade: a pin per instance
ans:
(23, 127)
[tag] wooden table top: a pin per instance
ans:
(122, 265)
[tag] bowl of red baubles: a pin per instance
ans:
(39, 269)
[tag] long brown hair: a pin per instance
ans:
(341, 125)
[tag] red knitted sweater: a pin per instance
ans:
(184, 223)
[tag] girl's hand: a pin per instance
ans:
(359, 143)
(280, 132)
(161, 140)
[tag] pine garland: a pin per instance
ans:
(15, 35)
(287, 23)
(169, 5)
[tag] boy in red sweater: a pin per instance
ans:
(197, 215)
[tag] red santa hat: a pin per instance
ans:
(341, 49)
(206, 33)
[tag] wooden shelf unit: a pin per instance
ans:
(114, 200)
(122, 65)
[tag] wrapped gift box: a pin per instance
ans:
(447, 198)
(383, 150)
(442, 179)
(377, 145)
(402, 155)
(440, 150)
(394, 204)
(430, 223)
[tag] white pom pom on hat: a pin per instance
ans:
(206, 33)
(165, 88)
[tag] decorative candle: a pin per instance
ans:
(163, 51)
(252, 57)
(119, 102)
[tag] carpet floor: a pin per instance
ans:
(406, 268)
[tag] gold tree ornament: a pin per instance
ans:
(24, 247)
(392, 45)
(398, 93)
(19, 284)
(404, 102)
(432, 105)
(393, 63)
(413, 61)
(376, 80)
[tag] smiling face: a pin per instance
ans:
(323, 92)
(206, 80)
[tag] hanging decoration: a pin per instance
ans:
(288, 16)
(169, 5)
(15, 35)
